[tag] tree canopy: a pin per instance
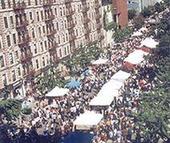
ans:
(153, 116)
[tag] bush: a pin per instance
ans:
(138, 21)
(26, 111)
(121, 34)
(131, 13)
(158, 7)
(146, 12)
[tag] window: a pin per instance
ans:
(13, 76)
(3, 4)
(55, 11)
(60, 53)
(58, 39)
(66, 36)
(4, 79)
(29, 2)
(43, 29)
(2, 61)
(61, 11)
(33, 33)
(9, 4)
(39, 30)
(14, 38)
(57, 26)
(42, 15)
(38, 18)
(11, 21)
(11, 58)
(65, 51)
(0, 45)
(68, 50)
(31, 16)
(19, 71)
(6, 22)
(42, 48)
(16, 54)
(63, 38)
(37, 64)
(8, 40)
(35, 50)
(36, 2)
(45, 44)
(43, 59)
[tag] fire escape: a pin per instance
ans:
(49, 17)
(70, 23)
(23, 39)
(98, 20)
(86, 21)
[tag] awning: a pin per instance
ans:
(104, 99)
(100, 61)
(136, 57)
(143, 29)
(87, 120)
(149, 42)
(121, 76)
(137, 33)
(112, 84)
(73, 84)
(57, 92)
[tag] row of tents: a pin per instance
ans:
(112, 88)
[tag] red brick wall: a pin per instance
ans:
(120, 8)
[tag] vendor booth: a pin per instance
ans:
(148, 44)
(135, 58)
(110, 90)
(87, 120)
(104, 98)
(137, 34)
(121, 76)
(57, 92)
(100, 61)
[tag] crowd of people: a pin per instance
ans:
(118, 124)
(53, 118)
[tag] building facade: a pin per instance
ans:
(140, 4)
(120, 11)
(36, 33)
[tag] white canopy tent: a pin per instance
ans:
(57, 92)
(121, 76)
(87, 120)
(143, 29)
(108, 92)
(100, 61)
(152, 21)
(149, 42)
(136, 57)
(137, 33)
(112, 84)
(104, 98)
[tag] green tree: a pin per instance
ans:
(158, 7)
(131, 13)
(166, 3)
(146, 12)
(138, 21)
(10, 108)
(153, 117)
(121, 34)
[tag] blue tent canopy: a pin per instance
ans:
(85, 72)
(78, 137)
(73, 84)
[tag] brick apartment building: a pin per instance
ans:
(34, 33)
(120, 11)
